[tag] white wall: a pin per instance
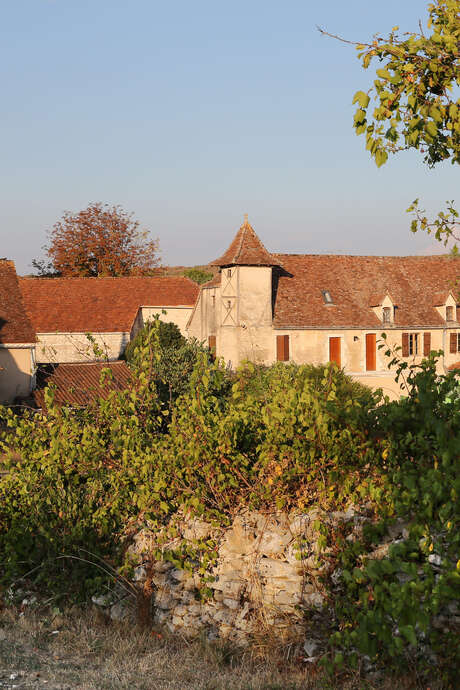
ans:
(75, 347)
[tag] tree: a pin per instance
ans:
(172, 358)
(198, 275)
(99, 241)
(413, 102)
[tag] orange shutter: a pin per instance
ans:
(282, 348)
(371, 355)
(405, 344)
(453, 342)
(212, 345)
(426, 344)
(334, 351)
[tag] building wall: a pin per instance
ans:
(75, 347)
(17, 369)
(177, 315)
(239, 314)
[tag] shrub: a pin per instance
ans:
(392, 609)
(85, 479)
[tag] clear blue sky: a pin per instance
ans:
(190, 114)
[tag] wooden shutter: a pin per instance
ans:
(371, 352)
(334, 351)
(426, 344)
(282, 348)
(212, 345)
(405, 344)
(453, 342)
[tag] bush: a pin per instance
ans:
(402, 598)
(85, 479)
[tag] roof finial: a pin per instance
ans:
(245, 218)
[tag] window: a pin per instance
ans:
(413, 344)
(386, 314)
(213, 300)
(282, 348)
(449, 313)
(229, 273)
(326, 297)
(410, 344)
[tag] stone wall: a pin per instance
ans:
(267, 581)
(267, 574)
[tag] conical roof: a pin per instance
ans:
(246, 250)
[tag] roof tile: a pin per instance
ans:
(354, 282)
(100, 305)
(246, 250)
(79, 384)
(15, 326)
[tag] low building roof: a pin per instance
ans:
(246, 250)
(15, 326)
(353, 282)
(79, 384)
(100, 305)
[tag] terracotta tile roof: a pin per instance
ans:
(353, 282)
(78, 384)
(454, 367)
(246, 250)
(100, 305)
(15, 326)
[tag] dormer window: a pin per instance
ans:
(386, 315)
(327, 297)
(449, 313)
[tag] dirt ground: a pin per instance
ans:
(83, 650)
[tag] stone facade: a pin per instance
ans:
(327, 308)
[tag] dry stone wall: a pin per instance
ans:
(267, 574)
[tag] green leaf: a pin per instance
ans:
(361, 98)
(383, 74)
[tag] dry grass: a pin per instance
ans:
(88, 652)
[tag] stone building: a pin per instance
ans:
(64, 311)
(17, 338)
(318, 308)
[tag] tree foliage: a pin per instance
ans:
(414, 101)
(171, 358)
(198, 275)
(101, 240)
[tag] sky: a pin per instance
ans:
(190, 114)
